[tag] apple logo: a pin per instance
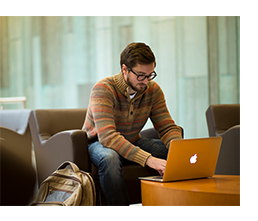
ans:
(193, 159)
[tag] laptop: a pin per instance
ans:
(190, 159)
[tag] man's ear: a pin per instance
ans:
(124, 69)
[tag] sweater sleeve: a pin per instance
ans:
(162, 120)
(102, 114)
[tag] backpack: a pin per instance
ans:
(67, 187)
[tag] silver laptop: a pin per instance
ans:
(190, 159)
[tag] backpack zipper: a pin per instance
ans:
(68, 177)
(52, 188)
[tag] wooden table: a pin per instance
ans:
(220, 190)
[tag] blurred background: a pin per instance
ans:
(55, 61)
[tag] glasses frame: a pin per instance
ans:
(148, 77)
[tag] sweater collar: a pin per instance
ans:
(124, 87)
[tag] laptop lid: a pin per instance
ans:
(192, 158)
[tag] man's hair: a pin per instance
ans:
(137, 53)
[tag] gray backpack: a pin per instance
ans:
(67, 187)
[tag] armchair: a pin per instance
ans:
(224, 120)
(57, 137)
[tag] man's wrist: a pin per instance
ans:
(147, 159)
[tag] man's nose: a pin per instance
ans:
(145, 81)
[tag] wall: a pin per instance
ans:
(55, 61)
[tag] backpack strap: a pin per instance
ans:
(66, 163)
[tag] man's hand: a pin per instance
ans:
(157, 164)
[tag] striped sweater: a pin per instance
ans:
(115, 120)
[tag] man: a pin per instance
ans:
(118, 109)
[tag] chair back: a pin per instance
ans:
(48, 122)
(221, 117)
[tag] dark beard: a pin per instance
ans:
(131, 86)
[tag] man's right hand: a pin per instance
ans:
(157, 164)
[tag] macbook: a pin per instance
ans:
(190, 159)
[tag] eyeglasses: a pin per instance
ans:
(142, 77)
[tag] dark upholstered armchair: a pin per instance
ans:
(224, 120)
(57, 137)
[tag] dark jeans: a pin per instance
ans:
(110, 163)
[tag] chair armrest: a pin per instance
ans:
(18, 144)
(233, 131)
(231, 139)
(229, 157)
(69, 145)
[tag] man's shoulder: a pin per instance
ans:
(105, 87)
(105, 82)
